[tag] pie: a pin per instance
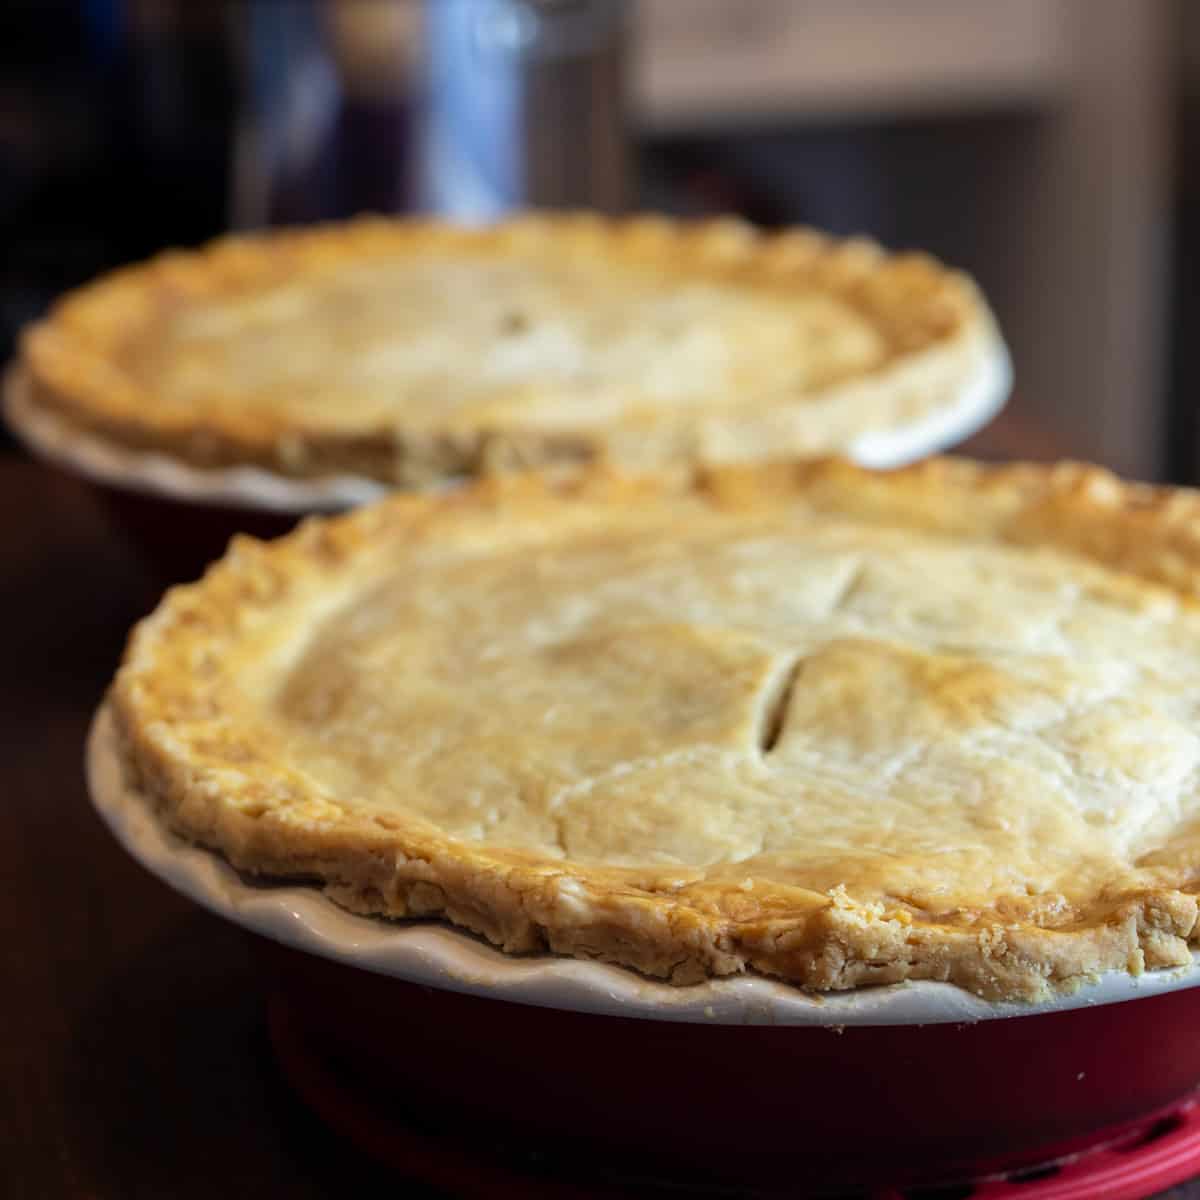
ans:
(836, 726)
(409, 352)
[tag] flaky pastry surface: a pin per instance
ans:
(837, 726)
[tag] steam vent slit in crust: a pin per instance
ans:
(836, 726)
(411, 352)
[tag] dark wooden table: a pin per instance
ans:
(133, 1054)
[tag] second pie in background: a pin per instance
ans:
(402, 352)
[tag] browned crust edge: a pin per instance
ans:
(937, 325)
(266, 819)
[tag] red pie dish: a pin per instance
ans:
(786, 1092)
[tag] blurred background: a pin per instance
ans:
(1048, 146)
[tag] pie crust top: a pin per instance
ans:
(409, 351)
(837, 726)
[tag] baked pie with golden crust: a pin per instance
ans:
(840, 727)
(408, 351)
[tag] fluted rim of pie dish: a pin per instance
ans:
(433, 954)
(52, 437)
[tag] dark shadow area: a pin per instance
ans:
(72, 588)
(170, 1080)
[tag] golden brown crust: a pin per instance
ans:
(929, 328)
(224, 786)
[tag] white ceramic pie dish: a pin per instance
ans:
(437, 956)
(981, 398)
(103, 462)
